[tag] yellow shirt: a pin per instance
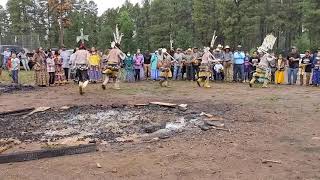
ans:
(94, 60)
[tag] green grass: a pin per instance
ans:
(25, 77)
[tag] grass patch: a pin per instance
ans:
(25, 77)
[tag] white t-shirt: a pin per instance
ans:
(218, 68)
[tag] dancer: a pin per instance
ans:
(164, 66)
(114, 61)
(82, 63)
(205, 71)
(263, 71)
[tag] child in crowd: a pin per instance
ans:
(15, 62)
(247, 68)
(94, 70)
(218, 68)
(305, 68)
(51, 69)
(280, 67)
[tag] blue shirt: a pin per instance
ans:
(238, 57)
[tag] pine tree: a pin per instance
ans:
(4, 20)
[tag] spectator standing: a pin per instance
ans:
(138, 65)
(178, 57)
(218, 68)
(128, 66)
(147, 64)
(247, 68)
(40, 67)
(24, 59)
(72, 64)
(280, 66)
(51, 69)
(293, 62)
(65, 56)
(6, 56)
(154, 65)
(306, 68)
(227, 63)
(15, 61)
(316, 70)
(238, 68)
(188, 58)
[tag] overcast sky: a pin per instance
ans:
(102, 4)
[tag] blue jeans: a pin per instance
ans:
(238, 72)
(15, 76)
(189, 70)
(195, 72)
(292, 75)
(25, 64)
(4, 63)
(177, 72)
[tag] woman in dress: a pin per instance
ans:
(40, 67)
(280, 65)
(154, 66)
(59, 79)
(128, 66)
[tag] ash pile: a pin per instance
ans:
(104, 124)
(10, 88)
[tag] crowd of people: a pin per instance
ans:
(52, 68)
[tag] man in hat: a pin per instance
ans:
(178, 58)
(196, 63)
(227, 63)
(306, 68)
(238, 67)
(293, 61)
(115, 58)
(189, 58)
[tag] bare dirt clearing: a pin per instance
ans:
(274, 134)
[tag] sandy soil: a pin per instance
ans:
(280, 123)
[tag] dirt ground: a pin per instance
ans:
(280, 124)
